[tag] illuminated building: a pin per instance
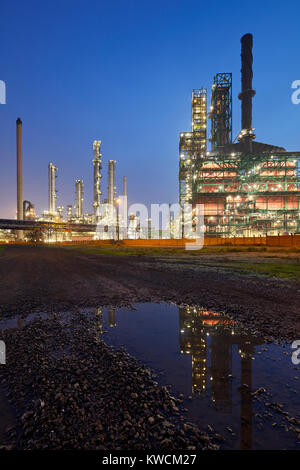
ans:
(247, 187)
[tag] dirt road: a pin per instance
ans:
(55, 279)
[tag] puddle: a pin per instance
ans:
(245, 390)
(203, 356)
(20, 321)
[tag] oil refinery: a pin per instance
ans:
(52, 225)
(247, 188)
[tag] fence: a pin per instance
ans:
(270, 241)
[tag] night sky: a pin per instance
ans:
(123, 72)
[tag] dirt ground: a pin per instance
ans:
(59, 279)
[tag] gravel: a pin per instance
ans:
(72, 391)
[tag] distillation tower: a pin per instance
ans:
(97, 178)
(79, 199)
(192, 145)
(52, 169)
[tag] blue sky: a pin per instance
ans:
(123, 72)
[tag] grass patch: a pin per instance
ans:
(108, 251)
(234, 249)
(285, 270)
(121, 250)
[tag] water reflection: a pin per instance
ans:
(112, 317)
(208, 338)
(99, 324)
(204, 355)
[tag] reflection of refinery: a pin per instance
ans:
(210, 339)
(203, 336)
(196, 326)
(112, 317)
(111, 320)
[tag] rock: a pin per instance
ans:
(26, 415)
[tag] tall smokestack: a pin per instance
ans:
(79, 198)
(124, 186)
(111, 181)
(124, 202)
(97, 178)
(247, 93)
(52, 169)
(19, 171)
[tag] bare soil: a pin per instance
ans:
(59, 279)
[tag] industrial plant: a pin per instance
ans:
(53, 225)
(247, 188)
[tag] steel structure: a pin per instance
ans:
(221, 110)
(12, 224)
(245, 195)
(79, 198)
(192, 145)
(97, 178)
(247, 188)
(52, 169)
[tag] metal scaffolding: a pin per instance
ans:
(192, 145)
(247, 188)
(246, 195)
(221, 110)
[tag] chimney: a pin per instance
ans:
(247, 93)
(124, 186)
(111, 181)
(124, 202)
(19, 171)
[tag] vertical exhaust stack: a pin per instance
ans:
(20, 214)
(124, 186)
(79, 198)
(97, 178)
(111, 181)
(52, 169)
(247, 92)
(125, 206)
